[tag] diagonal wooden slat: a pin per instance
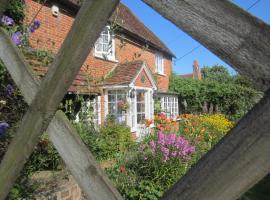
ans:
(241, 158)
(66, 140)
(238, 38)
(90, 21)
(3, 5)
(234, 165)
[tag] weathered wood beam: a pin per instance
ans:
(237, 37)
(88, 24)
(234, 165)
(3, 5)
(66, 140)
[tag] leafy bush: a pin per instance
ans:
(16, 10)
(111, 140)
(231, 97)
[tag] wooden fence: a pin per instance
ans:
(234, 165)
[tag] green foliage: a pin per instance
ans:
(44, 157)
(232, 99)
(261, 191)
(129, 182)
(16, 10)
(44, 57)
(216, 73)
(111, 140)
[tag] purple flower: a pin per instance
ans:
(174, 154)
(6, 20)
(34, 26)
(165, 151)
(17, 38)
(188, 150)
(170, 139)
(3, 128)
(9, 90)
(152, 146)
(161, 138)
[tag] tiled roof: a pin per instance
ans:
(186, 75)
(124, 17)
(127, 20)
(124, 73)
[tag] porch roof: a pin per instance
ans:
(124, 74)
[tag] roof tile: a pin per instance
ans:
(124, 73)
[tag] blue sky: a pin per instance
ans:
(180, 43)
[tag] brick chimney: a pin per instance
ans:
(196, 70)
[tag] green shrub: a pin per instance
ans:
(15, 10)
(110, 141)
(232, 99)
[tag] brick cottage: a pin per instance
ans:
(127, 70)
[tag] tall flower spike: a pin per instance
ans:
(34, 26)
(3, 128)
(9, 90)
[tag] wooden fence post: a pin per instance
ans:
(65, 139)
(88, 24)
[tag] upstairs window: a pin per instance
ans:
(159, 63)
(104, 47)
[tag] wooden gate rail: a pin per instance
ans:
(240, 159)
(231, 33)
(65, 67)
(65, 138)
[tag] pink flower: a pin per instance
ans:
(165, 152)
(153, 146)
(170, 139)
(174, 154)
(161, 138)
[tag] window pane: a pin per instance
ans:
(98, 47)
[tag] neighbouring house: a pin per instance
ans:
(196, 73)
(126, 69)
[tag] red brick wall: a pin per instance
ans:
(53, 30)
(139, 82)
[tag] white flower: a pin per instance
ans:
(3, 102)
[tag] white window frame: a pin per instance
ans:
(93, 106)
(116, 93)
(110, 53)
(169, 105)
(159, 60)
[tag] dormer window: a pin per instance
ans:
(159, 63)
(104, 47)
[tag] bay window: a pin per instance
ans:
(117, 103)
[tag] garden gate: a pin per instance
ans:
(236, 163)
